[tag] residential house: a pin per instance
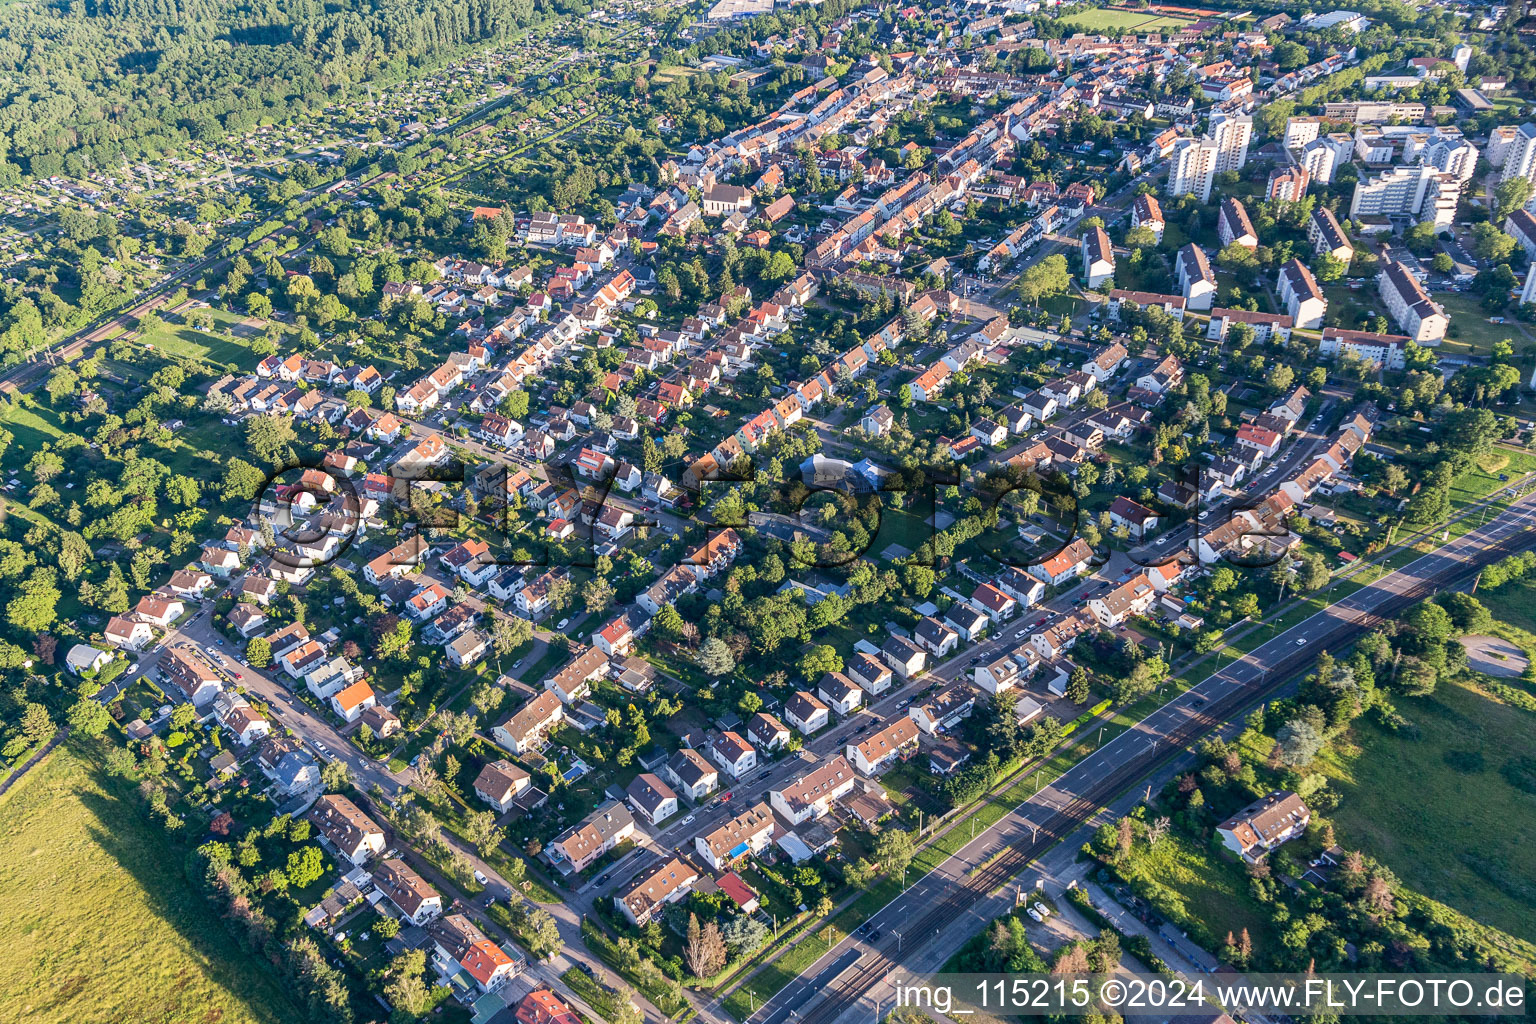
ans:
(1068, 563)
(840, 693)
(735, 756)
(943, 710)
(351, 834)
(350, 702)
(417, 901)
(1265, 825)
(806, 713)
(665, 884)
(767, 733)
(500, 783)
(872, 675)
(602, 830)
(893, 741)
(1134, 517)
(692, 774)
(811, 795)
(904, 656)
(746, 834)
(527, 728)
(651, 798)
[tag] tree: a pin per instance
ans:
(1442, 263)
(36, 725)
(121, 763)
(819, 660)
(1467, 613)
(1051, 276)
(88, 718)
(715, 657)
(35, 606)
(597, 594)
(1077, 686)
(542, 934)
(1328, 268)
(183, 715)
(258, 652)
(1491, 244)
(704, 949)
(746, 935)
(406, 990)
(305, 866)
(1298, 742)
(242, 481)
(335, 776)
(481, 829)
(1512, 194)
(894, 849)
(508, 633)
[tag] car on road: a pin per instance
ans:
(687, 821)
(480, 876)
(562, 623)
(874, 936)
(1301, 642)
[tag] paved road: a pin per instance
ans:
(913, 921)
(313, 728)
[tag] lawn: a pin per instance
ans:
(1187, 882)
(1435, 833)
(1106, 20)
(1483, 479)
(1474, 334)
(30, 432)
(100, 925)
(1514, 603)
(214, 350)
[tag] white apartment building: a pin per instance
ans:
(1419, 191)
(1520, 158)
(1317, 159)
(1192, 168)
(1410, 305)
(1196, 279)
(1303, 298)
(1301, 130)
(1231, 133)
(1388, 350)
(1194, 163)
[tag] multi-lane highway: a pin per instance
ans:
(859, 970)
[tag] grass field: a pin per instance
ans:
(1514, 603)
(1105, 20)
(216, 350)
(1188, 882)
(30, 432)
(1483, 479)
(1438, 833)
(98, 926)
(1475, 335)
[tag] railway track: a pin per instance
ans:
(845, 990)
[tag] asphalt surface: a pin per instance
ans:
(909, 924)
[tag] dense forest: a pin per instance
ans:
(91, 82)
